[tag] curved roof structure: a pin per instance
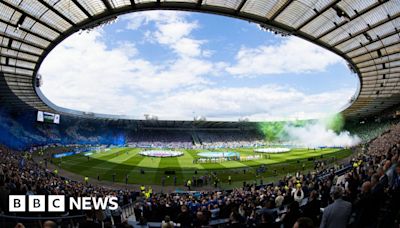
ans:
(364, 32)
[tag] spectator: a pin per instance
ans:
(298, 193)
(167, 223)
(89, 222)
(304, 222)
(234, 220)
(365, 208)
(312, 208)
(291, 215)
(337, 214)
(266, 221)
(184, 217)
(49, 224)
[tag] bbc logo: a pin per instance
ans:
(36, 203)
(56, 203)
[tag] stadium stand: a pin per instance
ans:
(232, 139)
(21, 131)
(369, 182)
(363, 191)
(370, 128)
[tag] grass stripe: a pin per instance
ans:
(122, 161)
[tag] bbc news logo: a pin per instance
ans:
(57, 203)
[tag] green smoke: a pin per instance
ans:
(335, 122)
(274, 131)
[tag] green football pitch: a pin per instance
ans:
(120, 162)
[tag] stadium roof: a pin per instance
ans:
(364, 32)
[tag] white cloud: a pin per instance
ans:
(265, 102)
(173, 30)
(138, 20)
(292, 55)
(83, 73)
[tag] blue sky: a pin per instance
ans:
(177, 65)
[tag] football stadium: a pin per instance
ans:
(200, 113)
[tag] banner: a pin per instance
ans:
(48, 117)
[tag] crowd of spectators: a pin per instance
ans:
(370, 129)
(365, 195)
(384, 143)
(233, 139)
(19, 175)
(160, 139)
(20, 130)
(195, 140)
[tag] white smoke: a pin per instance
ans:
(318, 135)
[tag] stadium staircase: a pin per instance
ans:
(195, 139)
